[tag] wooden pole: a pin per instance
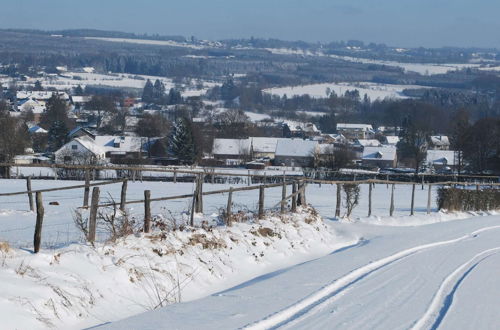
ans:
(229, 206)
(412, 199)
(370, 199)
(175, 175)
(200, 194)
(391, 208)
(123, 195)
(93, 215)
(339, 201)
(147, 211)
(299, 194)
(93, 174)
(429, 199)
(37, 239)
(303, 194)
(193, 206)
(86, 191)
(30, 194)
(283, 197)
(249, 178)
(423, 181)
(294, 197)
(261, 202)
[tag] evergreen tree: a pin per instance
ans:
(78, 90)
(174, 96)
(181, 144)
(57, 135)
(158, 92)
(38, 86)
(148, 92)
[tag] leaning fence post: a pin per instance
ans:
(37, 239)
(147, 211)
(30, 194)
(412, 199)
(339, 201)
(93, 214)
(391, 208)
(123, 195)
(370, 199)
(429, 199)
(229, 205)
(283, 197)
(86, 191)
(261, 202)
(294, 196)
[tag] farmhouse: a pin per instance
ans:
(233, 151)
(439, 142)
(295, 152)
(441, 159)
(381, 157)
(355, 131)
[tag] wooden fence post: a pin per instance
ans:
(94, 174)
(423, 181)
(37, 239)
(147, 211)
(193, 206)
(412, 199)
(249, 178)
(30, 194)
(199, 197)
(429, 199)
(175, 175)
(339, 201)
(93, 215)
(123, 195)
(303, 194)
(391, 208)
(299, 194)
(294, 196)
(86, 191)
(261, 202)
(229, 205)
(283, 197)
(370, 199)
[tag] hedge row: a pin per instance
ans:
(458, 199)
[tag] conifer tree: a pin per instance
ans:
(148, 92)
(181, 143)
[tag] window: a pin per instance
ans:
(74, 147)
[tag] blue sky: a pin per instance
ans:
(430, 23)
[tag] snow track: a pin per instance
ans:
(443, 299)
(307, 306)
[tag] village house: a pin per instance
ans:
(264, 147)
(116, 149)
(381, 157)
(232, 151)
(441, 160)
(355, 131)
(295, 153)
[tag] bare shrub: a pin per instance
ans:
(351, 197)
(116, 222)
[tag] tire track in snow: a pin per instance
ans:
(443, 298)
(323, 295)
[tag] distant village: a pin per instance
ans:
(277, 142)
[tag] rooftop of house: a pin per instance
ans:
(296, 148)
(234, 147)
(441, 157)
(440, 140)
(379, 153)
(364, 127)
(368, 142)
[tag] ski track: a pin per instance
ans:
(306, 306)
(443, 298)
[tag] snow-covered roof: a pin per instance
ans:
(40, 95)
(392, 140)
(37, 130)
(441, 157)
(440, 140)
(362, 127)
(296, 148)
(295, 126)
(123, 144)
(379, 153)
(337, 137)
(235, 147)
(368, 142)
(264, 144)
(80, 99)
(325, 149)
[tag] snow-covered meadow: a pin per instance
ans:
(373, 90)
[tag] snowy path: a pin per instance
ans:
(424, 277)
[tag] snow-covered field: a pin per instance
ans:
(422, 271)
(373, 90)
(68, 80)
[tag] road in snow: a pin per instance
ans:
(442, 275)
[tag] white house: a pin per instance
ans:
(81, 150)
(439, 159)
(391, 140)
(355, 131)
(224, 149)
(264, 147)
